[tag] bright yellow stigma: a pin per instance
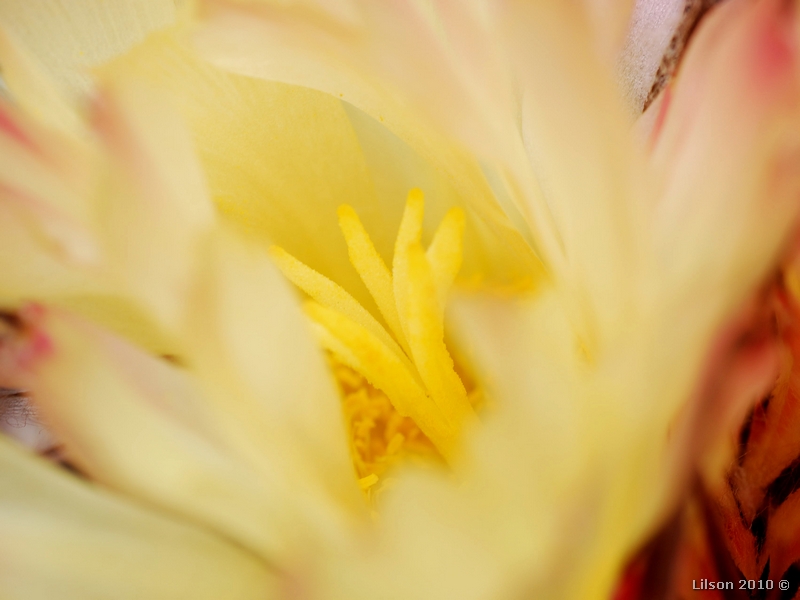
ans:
(406, 362)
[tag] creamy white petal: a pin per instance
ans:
(64, 538)
(281, 159)
(141, 426)
(249, 343)
(653, 23)
(155, 203)
(68, 37)
(576, 136)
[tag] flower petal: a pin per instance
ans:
(141, 426)
(50, 243)
(248, 340)
(33, 89)
(266, 146)
(653, 23)
(67, 539)
(156, 202)
(70, 37)
(578, 143)
(728, 152)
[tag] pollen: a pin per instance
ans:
(402, 393)
(380, 438)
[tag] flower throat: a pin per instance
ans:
(399, 382)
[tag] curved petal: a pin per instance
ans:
(281, 159)
(90, 208)
(142, 427)
(442, 56)
(610, 20)
(727, 151)
(155, 203)
(50, 243)
(70, 37)
(653, 23)
(250, 345)
(423, 69)
(31, 87)
(578, 143)
(61, 537)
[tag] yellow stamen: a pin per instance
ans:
(410, 232)
(380, 437)
(444, 253)
(368, 481)
(414, 392)
(327, 293)
(371, 269)
(363, 352)
(425, 331)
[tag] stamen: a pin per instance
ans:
(371, 269)
(327, 293)
(410, 370)
(425, 331)
(410, 232)
(444, 254)
(380, 437)
(363, 352)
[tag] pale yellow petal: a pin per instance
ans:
(31, 87)
(156, 204)
(411, 48)
(50, 241)
(64, 538)
(70, 37)
(279, 159)
(140, 426)
(610, 21)
(249, 345)
(406, 47)
(578, 142)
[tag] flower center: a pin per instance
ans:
(380, 437)
(398, 380)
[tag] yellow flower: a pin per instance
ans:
(519, 444)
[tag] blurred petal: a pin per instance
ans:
(249, 342)
(48, 217)
(401, 61)
(33, 89)
(610, 20)
(409, 47)
(729, 142)
(653, 23)
(281, 159)
(70, 37)
(577, 141)
(142, 427)
(63, 538)
(156, 202)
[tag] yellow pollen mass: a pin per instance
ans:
(402, 394)
(379, 436)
